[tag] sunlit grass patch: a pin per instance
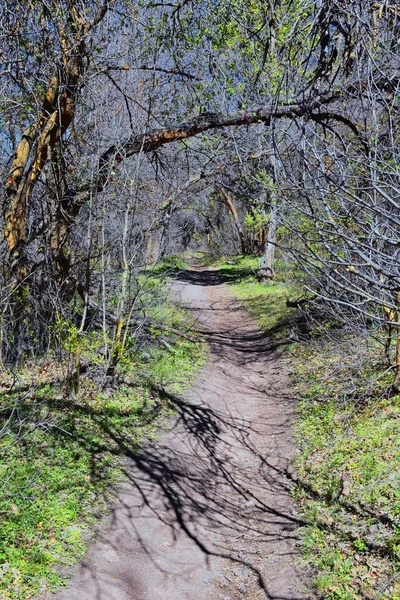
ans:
(50, 483)
(349, 476)
(61, 455)
(266, 303)
(168, 266)
(348, 431)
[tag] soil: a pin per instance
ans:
(206, 513)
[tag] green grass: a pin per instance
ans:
(266, 303)
(61, 455)
(169, 265)
(246, 266)
(231, 269)
(58, 477)
(357, 437)
(233, 263)
(348, 428)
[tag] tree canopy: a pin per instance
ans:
(138, 116)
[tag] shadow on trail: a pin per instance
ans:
(202, 482)
(208, 277)
(213, 481)
(210, 479)
(246, 347)
(232, 340)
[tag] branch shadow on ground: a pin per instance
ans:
(210, 277)
(213, 477)
(199, 485)
(196, 486)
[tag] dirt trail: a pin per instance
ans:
(206, 513)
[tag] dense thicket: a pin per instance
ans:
(284, 118)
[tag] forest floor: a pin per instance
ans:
(206, 511)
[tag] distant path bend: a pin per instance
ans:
(206, 513)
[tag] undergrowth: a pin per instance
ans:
(170, 265)
(348, 432)
(267, 304)
(61, 455)
(349, 478)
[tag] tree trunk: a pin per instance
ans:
(396, 382)
(33, 286)
(232, 209)
(267, 261)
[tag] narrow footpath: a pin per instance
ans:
(206, 513)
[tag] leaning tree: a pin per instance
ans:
(89, 89)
